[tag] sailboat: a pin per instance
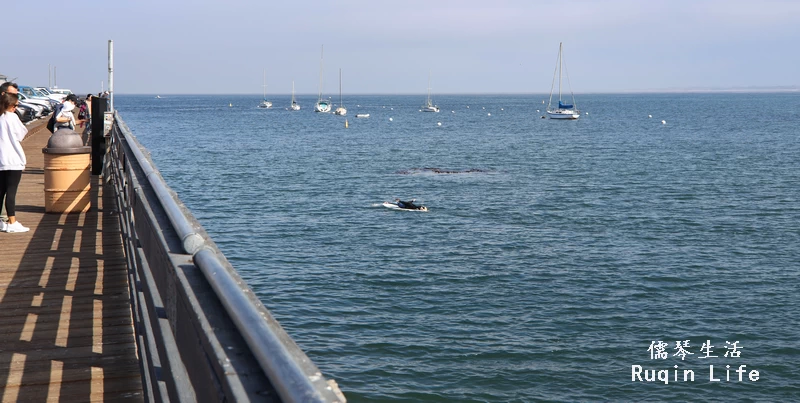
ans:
(564, 111)
(341, 110)
(322, 105)
(265, 103)
(429, 106)
(295, 106)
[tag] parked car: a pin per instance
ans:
(26, 113)
(42, 107)
(45, 91)
(32, 93)
(38, 110)
(64, 91)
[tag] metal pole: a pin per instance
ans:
(111, 75)
(55, 76)
(49, 73)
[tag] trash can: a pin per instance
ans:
(66, 173)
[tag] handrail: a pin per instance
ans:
(191, 240)
(275, 359)
(292, 374)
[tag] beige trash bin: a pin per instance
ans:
(67, 173)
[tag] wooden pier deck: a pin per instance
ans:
(66, 331)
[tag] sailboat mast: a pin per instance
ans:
(340, 87)
(321, 54)
(265, 84)
(429, 88)
(292, 91)
(559, 73)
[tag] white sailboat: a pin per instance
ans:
(322, 105)
(429, 106)
(341, 110)
(295, 106)
(563, 111)
(265, 103)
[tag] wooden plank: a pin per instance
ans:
(67, 332)
(123, 390)
(78, 356)
(24, 300)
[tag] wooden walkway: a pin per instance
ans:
(66, 331)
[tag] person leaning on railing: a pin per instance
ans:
(85, 115)
(66, 118)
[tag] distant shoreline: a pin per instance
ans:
(658, 91)
(715, 90)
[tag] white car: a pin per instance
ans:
(45, 103)
(38, 106)
(33, 94)
(45, 91)
(60, 91)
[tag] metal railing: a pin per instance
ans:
(201, 332)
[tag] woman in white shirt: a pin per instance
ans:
(12, 159)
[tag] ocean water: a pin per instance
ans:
(556, 256)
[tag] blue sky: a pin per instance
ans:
(208, 47)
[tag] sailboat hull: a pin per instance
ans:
(322, 107)
(563, 114)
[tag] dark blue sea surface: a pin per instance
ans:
(554, 253)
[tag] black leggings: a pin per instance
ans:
(9, 182)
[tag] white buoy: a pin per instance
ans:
(390, 119)
(453, 111)
(467, 106)
(230, 105)
(649, 116)
(489, 114)
(663, 122)
(537, 110)
(502, 109)
(438, 123)
(586, 113)
(483, 107)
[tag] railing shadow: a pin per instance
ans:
(66, 333)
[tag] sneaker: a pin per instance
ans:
(3, 226)
(16, 227)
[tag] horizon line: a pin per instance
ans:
(655, 91)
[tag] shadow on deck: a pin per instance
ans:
(66, 330)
